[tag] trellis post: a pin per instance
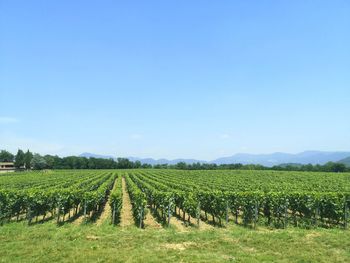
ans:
(346, 214)
(141, 216)
(169, 214)
(29, 216)
(285, 216)
(85, 208)
(58, 213)
(316, 216)
(227, 212)
(198, 213)
(113, 216)
(255, 214)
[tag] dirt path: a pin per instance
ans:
(79, 218)
(126, 218)
(78, 221)
(193, 222)
(151, 222)
(40, 219)
(178, 224)
(106, 212)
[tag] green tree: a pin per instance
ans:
(50, 161)
(28, 159)
(334, 167)
(38, 162)
(181, 165)
(92, 163)
(137, 164)
(124, 163)
(19, 159)
(6, 156)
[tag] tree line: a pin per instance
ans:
(28, 160)
(328, 167)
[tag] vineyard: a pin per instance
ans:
(248, 198)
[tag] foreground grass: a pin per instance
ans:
(90, 243)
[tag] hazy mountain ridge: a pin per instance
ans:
(313, 157)
(164, 161)
(93, 155)
(345, 161)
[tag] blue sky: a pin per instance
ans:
(191, 79)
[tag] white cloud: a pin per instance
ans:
(225, 136)
(135, 136)
(7, 120)
(13, 142)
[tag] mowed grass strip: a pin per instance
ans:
(106, 214)
(106, 243)
(126, 218)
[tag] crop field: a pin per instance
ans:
(164, 205)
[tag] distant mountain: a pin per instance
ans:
(164, 161)
(143, 160)
(345, 161)
(278, 158)
(88, 155)
(313, 157)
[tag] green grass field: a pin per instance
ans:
(90, 237)
(90, 243)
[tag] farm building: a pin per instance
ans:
(7, 167)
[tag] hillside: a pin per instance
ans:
(278, 158)
(313, 157)
(345, 161)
